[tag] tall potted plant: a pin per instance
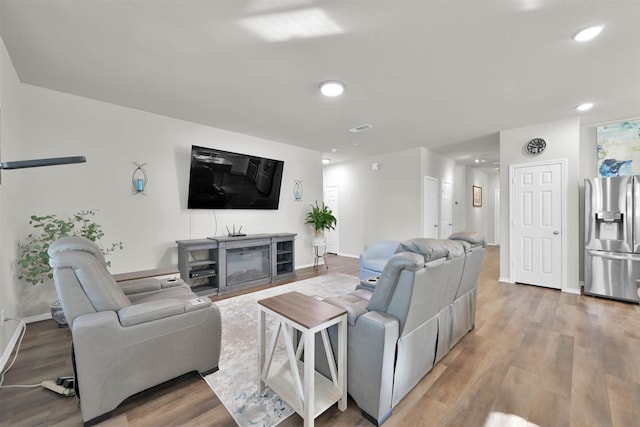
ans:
(322, 218)
(34, 258)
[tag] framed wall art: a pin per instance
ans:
(477, 196)
(619, 148)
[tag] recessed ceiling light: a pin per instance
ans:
(332, 88)
(588, 33)
(584, 107)
(326, 161)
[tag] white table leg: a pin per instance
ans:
(309, 377)
(342, 363)
(261, 337)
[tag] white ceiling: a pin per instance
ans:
(446, 75)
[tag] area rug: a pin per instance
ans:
(236, 382)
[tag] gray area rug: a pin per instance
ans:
(236, 383)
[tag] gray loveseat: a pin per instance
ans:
(402, 323)
(128, 338)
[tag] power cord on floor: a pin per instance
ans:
(63, 385)
(15, 356)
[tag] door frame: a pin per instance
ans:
(563, 208)
(496, 217)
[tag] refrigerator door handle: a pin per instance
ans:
(614, 255)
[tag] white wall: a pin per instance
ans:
(377, 204)
(493, 184)
(385, 203)
(478, 218)
(563, 142)
(112, 138)
(10, 193)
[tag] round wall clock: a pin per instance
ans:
(536, 146)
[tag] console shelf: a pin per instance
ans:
(221, 264)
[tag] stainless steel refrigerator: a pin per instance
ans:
(612, 237)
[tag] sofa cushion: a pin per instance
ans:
(456, 248)
(430, 249)
(468, 236)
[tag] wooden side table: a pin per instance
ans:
(308, 392)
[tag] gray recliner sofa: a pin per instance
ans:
(130, 338)
(403, 323)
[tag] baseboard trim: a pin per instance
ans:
(349, 255)
(37, 318)
(10, 346)
(505, 280)
(572, 291)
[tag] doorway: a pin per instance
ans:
(430, 208)
(446, 211)
(537, 223)
(331, 200)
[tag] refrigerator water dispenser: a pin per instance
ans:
(609, 226)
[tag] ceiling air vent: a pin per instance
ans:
(360, 128)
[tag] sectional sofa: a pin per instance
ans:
(404, 321)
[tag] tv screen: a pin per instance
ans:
(224, 180)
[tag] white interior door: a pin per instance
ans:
(430, 207)
(446, 211)
(537, 193)
(331, 200)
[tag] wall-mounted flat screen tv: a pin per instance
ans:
(224, 180)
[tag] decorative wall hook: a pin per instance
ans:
(139, 178)
(297, 190)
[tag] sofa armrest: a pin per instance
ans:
(354, 305)
(368, 283)
(372, 348)
(154, 310)
(150, 311)
(148, 284)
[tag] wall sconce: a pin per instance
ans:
(139, 178)
(297, 190)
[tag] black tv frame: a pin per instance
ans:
(220, 179)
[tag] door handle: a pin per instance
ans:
(556, 232)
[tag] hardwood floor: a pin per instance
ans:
(536, 357)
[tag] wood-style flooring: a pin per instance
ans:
(537, 357)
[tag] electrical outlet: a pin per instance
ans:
(2, 318)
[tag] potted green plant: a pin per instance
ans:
(322, 218)
(34, 258)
